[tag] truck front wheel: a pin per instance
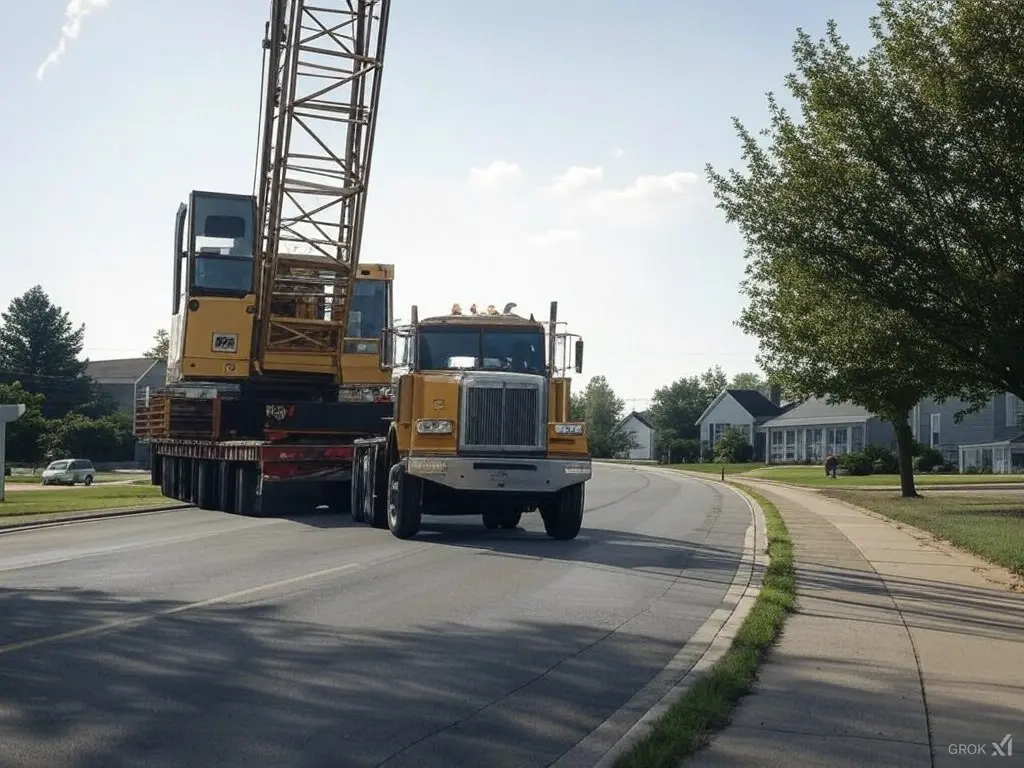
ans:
(404, 510)
(562, 513)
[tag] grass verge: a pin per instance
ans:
(989, 526)
(716, 469)
(707, 707)
(814, 477)
(22, 503)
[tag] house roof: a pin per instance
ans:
(641, 417)
(817, 411)
(750, 400)
(121, 371)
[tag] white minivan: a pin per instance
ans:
(69, 472)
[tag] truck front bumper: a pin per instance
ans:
(500, 474)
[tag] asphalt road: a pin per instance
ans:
(193, 638)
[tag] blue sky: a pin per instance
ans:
(151, 100)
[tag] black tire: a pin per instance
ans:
(88, 480)
(356, 488)
(167, 477)
(563, 513)
(492, 520)
(504, 519)
(245, 491)
(375, 491)
(226, 482)
(206, 482)
(404, 511)
(510, 520)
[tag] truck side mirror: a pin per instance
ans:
(579, 355)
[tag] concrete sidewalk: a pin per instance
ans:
(902, 652)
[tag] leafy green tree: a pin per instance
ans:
(748, 381)
(675, 409)
(24, 436)
(161, 344)
(733, 448)
(40, 346)
(106, 439)
(603, 412)
(902, 184)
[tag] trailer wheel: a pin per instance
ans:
(375, 508)
(226, 486)
(356, 488)
(562, 513)
(207, 494)
(245, 490)
(403, 497)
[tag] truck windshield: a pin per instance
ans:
(369, 313)
(222, 240)
(504, 349)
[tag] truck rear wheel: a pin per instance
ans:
(404, 511)
(563, 513)
(206, 485)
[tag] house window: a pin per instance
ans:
(1013, 410)
(790, 444)
(935, 431)
(718, 431)
(856, 439)
(842, 446)
(830, 441)
(778, 448)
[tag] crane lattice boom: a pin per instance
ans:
(322, 77)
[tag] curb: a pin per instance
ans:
(709, 643)
(87, 517)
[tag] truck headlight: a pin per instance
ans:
(434, 426)
(569, 429)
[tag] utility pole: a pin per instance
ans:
(8, 413)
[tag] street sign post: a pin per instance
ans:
(8, 413)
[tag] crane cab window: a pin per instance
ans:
(369, 313)
(223, 245)
(507, 349)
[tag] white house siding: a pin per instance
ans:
(643, 436)
(726, 413)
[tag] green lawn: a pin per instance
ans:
(101, 477)
(814, 477)
(33, 502)
(989, 526)
(707, 706)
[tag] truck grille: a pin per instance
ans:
(503, 417)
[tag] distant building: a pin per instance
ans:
(125, 381)
(745, 409)
(643, 436)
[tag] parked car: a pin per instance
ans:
(69, 472)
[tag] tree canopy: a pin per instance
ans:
(161, 345)
(901, 189)
(603, 412)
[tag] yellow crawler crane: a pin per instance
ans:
(274, 365)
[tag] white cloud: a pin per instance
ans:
(573, 179)
(619, 153)
(74, 14)
(554, 238)
(496, 174)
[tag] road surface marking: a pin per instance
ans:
(126, 623)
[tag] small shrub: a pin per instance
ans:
(855, 464)
(883, 461)
(927, 459)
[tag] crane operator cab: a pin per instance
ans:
(214, 299)
(214, 304)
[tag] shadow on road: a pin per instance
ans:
(247, 685)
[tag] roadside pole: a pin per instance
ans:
(8, 413)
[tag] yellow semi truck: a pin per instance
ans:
(481, 426)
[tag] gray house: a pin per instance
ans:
(125, 381)
(813, 429)
(991, 440)
(745, 409)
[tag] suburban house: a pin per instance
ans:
(813, 429)
(991, 440)
(747, 410)
(643, 436)
(125, 381)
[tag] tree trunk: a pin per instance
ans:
(905, 456)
